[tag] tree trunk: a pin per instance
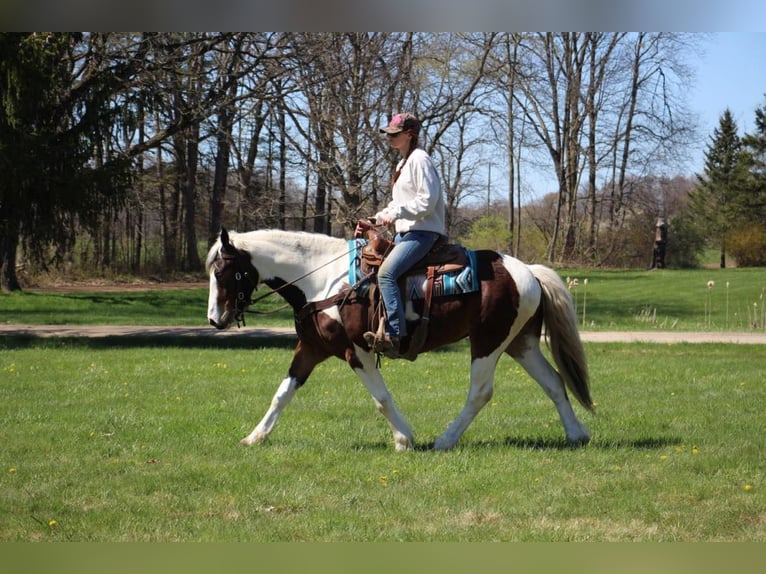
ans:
(223, 141)
(192, 259)
(9, 243)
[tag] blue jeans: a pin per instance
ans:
(408, 250)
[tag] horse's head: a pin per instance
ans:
(232, 282)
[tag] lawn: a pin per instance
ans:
(137, 442)
(680, 300)
(137, 439)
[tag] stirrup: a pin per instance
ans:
(387, 345)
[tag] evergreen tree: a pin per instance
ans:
(55, 168)
(755, 146)
(718, 203)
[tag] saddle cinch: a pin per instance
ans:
(443, 258)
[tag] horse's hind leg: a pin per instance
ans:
(534, 362)
(479, 394)
(375, 384)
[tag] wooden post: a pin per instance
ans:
(660, 242)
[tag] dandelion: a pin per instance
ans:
(52, 523)
(747, 487)
(12, 470)
(695, 450)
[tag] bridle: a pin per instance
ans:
(245, 285)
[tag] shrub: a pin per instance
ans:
(748, 245)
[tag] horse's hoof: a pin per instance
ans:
(253, 439)
(577, 442)
(442, 444)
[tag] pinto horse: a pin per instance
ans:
(505, 315)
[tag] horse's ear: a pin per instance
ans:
(224, 237)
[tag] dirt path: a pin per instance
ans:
(665, 337)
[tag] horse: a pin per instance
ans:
(505, 315)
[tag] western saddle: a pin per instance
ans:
(443, 258)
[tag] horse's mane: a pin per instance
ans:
(299, 243)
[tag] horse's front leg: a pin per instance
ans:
(363, 363)
(281, 399)
(304, 361)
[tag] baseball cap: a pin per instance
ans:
(401, 122)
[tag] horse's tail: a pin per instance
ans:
(561, 328)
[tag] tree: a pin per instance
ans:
(189, 116)
(748, 241)
(489, 232)
(717, 203)
(754, 145)
(57, 111)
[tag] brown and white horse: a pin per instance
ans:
(506, 315)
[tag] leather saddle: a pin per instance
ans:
(443, 258)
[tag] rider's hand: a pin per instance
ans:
(384, 219)
(363, 225)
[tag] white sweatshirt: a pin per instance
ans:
(417, 202)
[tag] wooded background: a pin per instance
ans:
(127, 152)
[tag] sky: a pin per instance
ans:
(730, 74)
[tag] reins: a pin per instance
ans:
(288, 284)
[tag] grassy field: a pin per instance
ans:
(683, 300)
(140, 443)
(171, 307)
(137, 439)
(623, 300)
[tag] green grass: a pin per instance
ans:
(172, 307)
(669, 300)
(140, 443)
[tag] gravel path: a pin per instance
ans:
(666, 337)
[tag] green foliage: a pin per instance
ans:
(719, 204)
(748, 245)
(135, 443)
(686, 241)
(755, 147)
(52, 124)
(489, 232)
